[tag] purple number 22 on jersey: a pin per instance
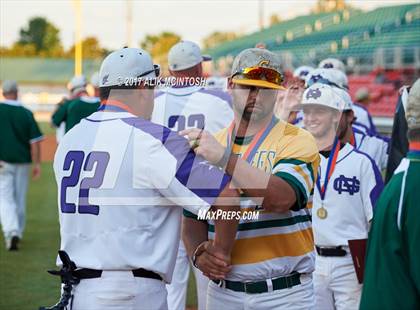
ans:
(77, 157)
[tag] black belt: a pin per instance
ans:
(331, 251)
(86, 273)
(261, 286)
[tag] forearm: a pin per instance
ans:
(194, 232)
(272, 192)
(226, 229)
(36, 152)
(283, 113)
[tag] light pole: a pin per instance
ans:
(78, 56)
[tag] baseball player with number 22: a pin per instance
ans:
(121, 181)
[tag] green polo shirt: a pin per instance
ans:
(392, 275)
(73, 111)
(18, 129)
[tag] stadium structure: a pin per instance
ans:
(381, 49)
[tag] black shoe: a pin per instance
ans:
(14, 243)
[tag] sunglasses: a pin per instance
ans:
(319, 79)
(261, 73)
(156, 70)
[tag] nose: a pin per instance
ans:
(253, 93)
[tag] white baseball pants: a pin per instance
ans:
(335, 283)
(299, 297)
(14, 180)
(119, 290)
(177, 290)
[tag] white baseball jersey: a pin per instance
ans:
(351, 195)
(363, 120)
(373, 146)
(121, 181)
(193, 107)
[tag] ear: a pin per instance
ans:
(230, 84)
(200, 69)
(351, 116)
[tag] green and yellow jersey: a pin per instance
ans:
(275, 244)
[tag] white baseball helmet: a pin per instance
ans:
(126, 64)
(332, 63)
(77, 84)
(346, 97)
(302, 72)
(323, 95)
(332, 77)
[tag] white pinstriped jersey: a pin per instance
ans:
(373, 146)
(350, 197)
(192, 107)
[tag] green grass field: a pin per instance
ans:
(46, 128)
(24, 283)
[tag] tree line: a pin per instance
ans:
(41, 38)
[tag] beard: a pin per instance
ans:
(251, 114)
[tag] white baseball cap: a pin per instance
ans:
(77, 84)
(332, 63)
(125, 64)
(302, 71)
(324, 95)
(346, 97)
(332, 77)
(9, 86)
(184, 55)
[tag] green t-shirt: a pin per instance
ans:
(392, 275)
(18, 129)
(73, 111)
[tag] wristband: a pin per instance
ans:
(196, 255)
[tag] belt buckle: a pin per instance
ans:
(221, 283)
(245, 288)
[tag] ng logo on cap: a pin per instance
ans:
(313, 93)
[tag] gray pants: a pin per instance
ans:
(13, 187)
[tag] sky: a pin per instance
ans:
(192, 19)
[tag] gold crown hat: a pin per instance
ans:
(412, 112)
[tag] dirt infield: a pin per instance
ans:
(48, 147)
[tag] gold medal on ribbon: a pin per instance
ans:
(322, 213)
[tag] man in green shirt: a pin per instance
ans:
(392, 275)
(79, 107)
(19, 146)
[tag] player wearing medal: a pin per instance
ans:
(274, 164)
(349, 131)
(122, 180)
(348, 186)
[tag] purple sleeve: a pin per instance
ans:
(379, 183)
(193, 172)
